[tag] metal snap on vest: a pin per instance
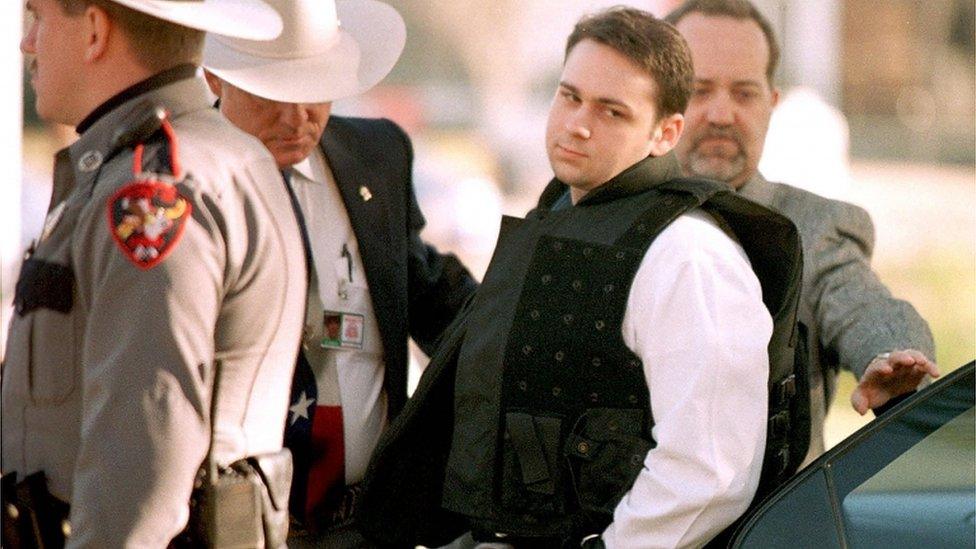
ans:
(596, 361)
(620, 255)
(587, 252)
(568, 319)
(583, 447)
(560, 356)
(546, 279)
(600, 325)
(526, 350)
(556, 391)
(557, 246)
(632, 399)
(577, 285)
(534, 314)
(608, 288)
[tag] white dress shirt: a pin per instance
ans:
(352, 378)
(696, 319)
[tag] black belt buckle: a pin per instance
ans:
(342, 514)
(335, 515)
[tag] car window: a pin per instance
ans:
(871, 489)
(933, 479)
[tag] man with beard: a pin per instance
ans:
(853, 321)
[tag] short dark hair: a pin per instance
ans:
(736, 9)
(654, 45)
(157, 44)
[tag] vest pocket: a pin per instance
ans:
(607, 450)
(531, 475)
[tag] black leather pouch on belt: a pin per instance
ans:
(245, 506)
(32, 517)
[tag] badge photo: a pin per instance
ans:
(342, 330)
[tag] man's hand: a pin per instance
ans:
(889, 375)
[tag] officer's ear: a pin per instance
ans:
(214, 82)
(98, 29)
(666, 134)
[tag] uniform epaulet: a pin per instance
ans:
(142, 123)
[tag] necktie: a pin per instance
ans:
(315, 442)
(300, 217)
(304, 391)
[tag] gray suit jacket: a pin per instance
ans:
(851, 316)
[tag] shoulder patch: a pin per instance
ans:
(147, 219)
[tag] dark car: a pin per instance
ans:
(907, 479)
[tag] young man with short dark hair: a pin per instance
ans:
(609, 383)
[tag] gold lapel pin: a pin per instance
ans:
(364, 192)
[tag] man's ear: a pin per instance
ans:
(213, 81)
(666, 134)
(100, 30)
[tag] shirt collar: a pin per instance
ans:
(158, 80)
(304, 168)
(307, 167)
(640, 177)
(99, 142)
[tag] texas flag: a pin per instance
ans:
(313, 433)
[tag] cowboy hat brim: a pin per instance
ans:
(250, 19)
(370, 40)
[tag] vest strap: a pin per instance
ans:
(532, 458)
(677, 197)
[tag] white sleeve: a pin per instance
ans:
(696, 319)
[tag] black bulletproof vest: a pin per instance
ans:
(552, 425)
(533, 417)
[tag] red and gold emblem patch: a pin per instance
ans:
(147, 219)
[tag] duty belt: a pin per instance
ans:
(32, 517)
(332, 518)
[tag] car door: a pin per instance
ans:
(907, 479)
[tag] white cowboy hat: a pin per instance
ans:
(251, 19)
(327, 50)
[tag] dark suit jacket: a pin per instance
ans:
(416, 291)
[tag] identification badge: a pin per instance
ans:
(342, 330)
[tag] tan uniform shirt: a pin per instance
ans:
(111, 397)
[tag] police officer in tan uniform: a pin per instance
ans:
(170, 253)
